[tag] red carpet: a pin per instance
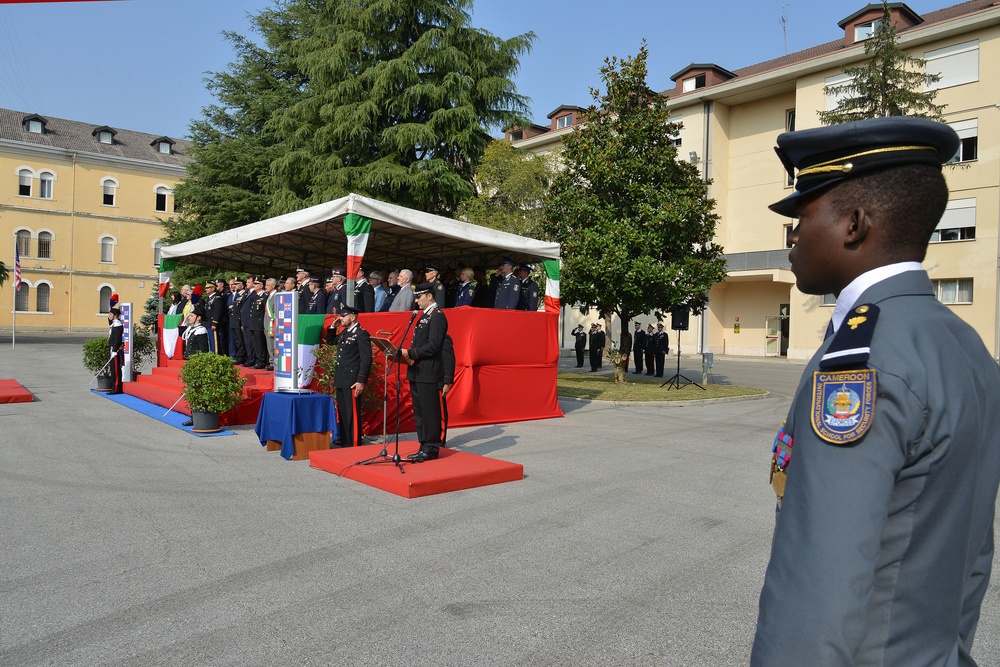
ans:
(452, 471)
(162, 386)
(11, 391)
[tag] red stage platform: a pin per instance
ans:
(451, 471)
(506, 365)
(11, 391)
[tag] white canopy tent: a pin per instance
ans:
(314, 237)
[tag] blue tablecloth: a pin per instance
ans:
(283, 415)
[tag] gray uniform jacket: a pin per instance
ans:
(883, 546)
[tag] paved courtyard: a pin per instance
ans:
(639, 536)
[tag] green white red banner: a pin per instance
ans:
(357, 228)
(551, 267)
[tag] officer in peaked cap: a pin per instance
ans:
(887, 466)
(528, 298)
(432, 272)
(426, 374)
(354, 362)
(508, 292)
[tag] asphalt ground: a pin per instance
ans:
(639, 536)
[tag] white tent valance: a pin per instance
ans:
(314, 237)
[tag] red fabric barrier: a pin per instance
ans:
(506, 363)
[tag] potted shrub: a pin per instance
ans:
(96, 355)
(212, 385)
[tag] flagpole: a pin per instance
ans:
(17, 284)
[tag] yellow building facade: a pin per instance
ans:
(730, 123)
(84, 204)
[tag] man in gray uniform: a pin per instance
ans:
(887, 466)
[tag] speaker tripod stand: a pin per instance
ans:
(675, 381)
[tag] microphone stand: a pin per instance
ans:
(383, 456)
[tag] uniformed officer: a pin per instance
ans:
(466, 292)
(581, 344)
(426, 373)
(246, 310)
(887, 465)
(316, 301)
(508, 287)
(258, 312)
(528, 298)
(650, 351)
(602, 341)
(638, 347)
(662, 347)
(354, 363)
(302, 275)
(338, 295)
(431, 272)
(593, 344)
(196, 335)
(215, 308)
(235, 326)
(116, 349)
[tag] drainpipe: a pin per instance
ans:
(706, 164)
(72, 228)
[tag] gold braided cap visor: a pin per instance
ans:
(844, 164)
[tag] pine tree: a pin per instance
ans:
(401, 97)
(635, 223)
(889, 83)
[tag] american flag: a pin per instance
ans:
(17, 268)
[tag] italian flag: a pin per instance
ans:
(308, 337)
(167, 267)
(357, 229)
(551, 267)
(169, 333)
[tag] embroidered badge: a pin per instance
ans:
(843, 404)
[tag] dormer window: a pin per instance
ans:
(517, 135)
(163, 145)
(564, 121)
(34, 124)
(104, 137)
(864, 31)
(694, 83)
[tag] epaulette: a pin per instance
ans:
(851, 346)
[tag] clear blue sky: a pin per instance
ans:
(140, 64)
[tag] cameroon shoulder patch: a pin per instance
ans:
(843, 404)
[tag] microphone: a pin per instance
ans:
(412, 317)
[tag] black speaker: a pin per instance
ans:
(679, 318)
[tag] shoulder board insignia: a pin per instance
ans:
(843, 404)
(851, 346)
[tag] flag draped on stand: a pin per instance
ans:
(308, 337)
(551, 285)
(357, 229)
(167, 267)
(169, 333)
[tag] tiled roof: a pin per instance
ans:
(929, 19)
(76, 136)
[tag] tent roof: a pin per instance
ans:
(314, 237)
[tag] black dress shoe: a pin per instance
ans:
(189, 422)
(422, 455)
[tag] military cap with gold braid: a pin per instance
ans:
(825, 156)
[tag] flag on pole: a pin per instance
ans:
(167, 267)
(308, 337)
(17, 268)
(357, 229)
(551, 285)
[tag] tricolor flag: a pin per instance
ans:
(169, 333)
(167, 267)
(357, 230)
(17, 268)
(551, 285)
(309, 335)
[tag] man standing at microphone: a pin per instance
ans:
(426, 373)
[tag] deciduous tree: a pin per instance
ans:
(635, 223)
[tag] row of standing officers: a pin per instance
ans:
(648, 347)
